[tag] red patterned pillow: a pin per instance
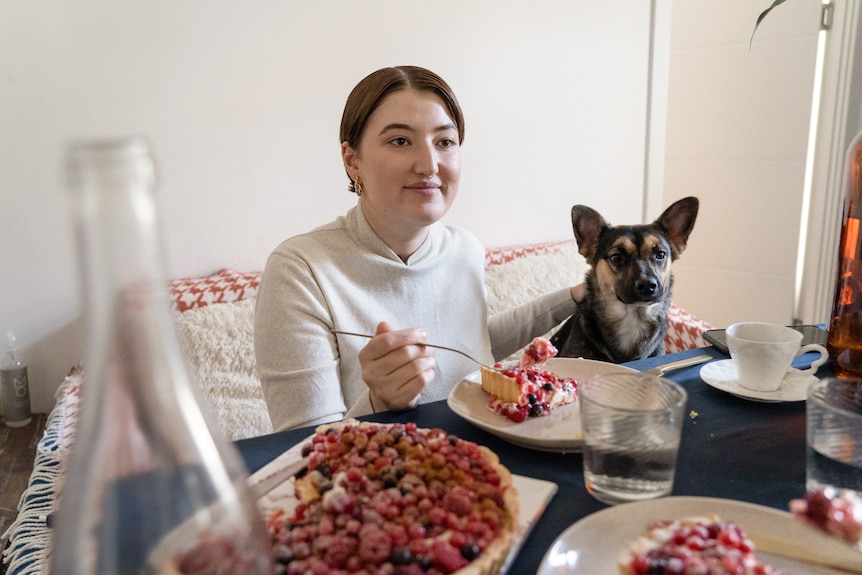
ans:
(684, 331)
(497, 256)
(224, 286)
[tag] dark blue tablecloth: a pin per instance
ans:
(731, 448)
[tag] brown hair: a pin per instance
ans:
(371, 90)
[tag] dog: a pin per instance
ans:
(623, 316)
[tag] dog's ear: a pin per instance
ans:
(587, 224)
(678, 221)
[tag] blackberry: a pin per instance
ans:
(470, 551)
(400, 556)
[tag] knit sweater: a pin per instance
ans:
(342, 276)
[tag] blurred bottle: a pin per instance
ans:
(15, 386)
(845, 324)
(149, 488)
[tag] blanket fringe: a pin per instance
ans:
(29, 536)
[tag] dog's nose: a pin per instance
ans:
(646, 287)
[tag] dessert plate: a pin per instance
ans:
(722, 375)
(560, 431)
(591, 546)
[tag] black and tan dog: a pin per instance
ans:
(623, 316)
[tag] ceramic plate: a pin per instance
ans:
(591, 546)
(560, 431)
(722, 375)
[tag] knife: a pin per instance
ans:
(659, 370)
(293, 469)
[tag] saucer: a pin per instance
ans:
(722, 375)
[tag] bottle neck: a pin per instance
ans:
(117, 230)
(125, 295)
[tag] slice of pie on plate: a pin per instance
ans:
(835, 511)
(528, 390)
(704, 545)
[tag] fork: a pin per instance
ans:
(465, 354)
(659, 370)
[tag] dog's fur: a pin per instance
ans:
(623, 316)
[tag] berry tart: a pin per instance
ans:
(835, 511)
(528, 390)
(703, 545)
(395, 499)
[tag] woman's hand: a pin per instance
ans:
(579, 292)
(396, 367)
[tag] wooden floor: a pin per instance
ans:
(17, 452)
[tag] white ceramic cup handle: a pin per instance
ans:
(824, 355)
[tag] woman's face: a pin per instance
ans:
(409, 164)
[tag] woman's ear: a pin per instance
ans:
(349, 157)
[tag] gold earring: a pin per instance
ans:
(357, 187)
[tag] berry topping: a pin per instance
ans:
(703, 545)
(836, 511)
(398, 500)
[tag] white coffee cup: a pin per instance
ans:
(763, 353)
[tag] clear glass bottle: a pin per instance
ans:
(149, 488)
(845, 325)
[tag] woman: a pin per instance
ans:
(388, 268)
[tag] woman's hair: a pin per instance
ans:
(368, 93)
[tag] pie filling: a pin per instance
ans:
(693, 546)
(395, 499)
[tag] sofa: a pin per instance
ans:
(214, 316)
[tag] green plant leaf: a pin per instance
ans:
(762, 16)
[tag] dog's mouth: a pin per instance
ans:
(639, 303)
(640, 300)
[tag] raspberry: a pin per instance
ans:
(447, 558)
(458, 502)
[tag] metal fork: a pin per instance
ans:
(467, 355)
(659, 370)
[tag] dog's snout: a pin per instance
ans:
(646, 286)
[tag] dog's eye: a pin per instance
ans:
(615, 259)
(660, 255)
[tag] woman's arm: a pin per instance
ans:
(296, 353)
(513, 329)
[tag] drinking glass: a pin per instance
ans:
(834, 434)
(631, 427)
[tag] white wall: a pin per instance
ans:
(737, 136)
(242, 103)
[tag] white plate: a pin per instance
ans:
(560, 431)
(591, 546)
(722, 375)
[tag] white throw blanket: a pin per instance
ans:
(219, 339)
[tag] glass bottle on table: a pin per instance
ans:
(845, 325)
(149, 487)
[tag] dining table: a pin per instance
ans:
(731, 447)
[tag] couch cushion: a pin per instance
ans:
(518, 274)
